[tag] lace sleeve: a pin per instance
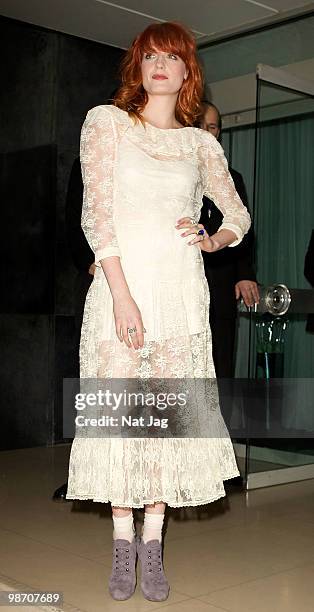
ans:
(219, 187)
(97, 154)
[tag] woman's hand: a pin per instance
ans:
(127, 316)
(201, 236)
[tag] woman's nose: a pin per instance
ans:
(160, 61)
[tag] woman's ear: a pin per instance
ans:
(186, 74)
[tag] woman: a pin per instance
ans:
(145, 170)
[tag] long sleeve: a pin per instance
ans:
(97, 153)
(244, 264)
(219, 187)
(244, 259)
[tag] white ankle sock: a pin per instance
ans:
(123, 527)
(152, 527)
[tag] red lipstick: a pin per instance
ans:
(159, 77)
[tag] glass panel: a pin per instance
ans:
(283, 219)
(283, 203)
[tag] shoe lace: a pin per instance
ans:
(122, 559)
(153, 561)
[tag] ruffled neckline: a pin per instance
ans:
(187, 139)
(124, 115)
(154, 127)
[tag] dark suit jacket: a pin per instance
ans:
(226, 267)
(81, 253)
(309, 275)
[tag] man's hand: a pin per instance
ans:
(91, 269)
(249, 291)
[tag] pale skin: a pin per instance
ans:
(247, 289)
(160, 112)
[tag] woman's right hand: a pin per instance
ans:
(127, 315)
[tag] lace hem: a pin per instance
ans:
(171, 504)
(133, 472)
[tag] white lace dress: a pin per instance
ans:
(138, 181)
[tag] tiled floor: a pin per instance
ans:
(247, 552)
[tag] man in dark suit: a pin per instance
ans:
(229, 272)
(82, 255)
(83, 259)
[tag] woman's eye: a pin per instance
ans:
(149, 55)
(173, 56)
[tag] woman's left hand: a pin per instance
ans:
(190, 227)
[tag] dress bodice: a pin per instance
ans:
(139, 174)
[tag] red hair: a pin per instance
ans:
(168, 37)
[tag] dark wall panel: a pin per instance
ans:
(28, 85)
(87, 75)
(27, 193)
(49, 82)
(27, 395)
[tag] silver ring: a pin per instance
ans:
(133, 330)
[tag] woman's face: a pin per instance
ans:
(162, 72)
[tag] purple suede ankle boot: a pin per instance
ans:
(122, 581)
(154, 583)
